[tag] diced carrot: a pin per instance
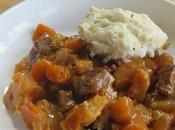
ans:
(125, 112)
(123, 109)
(82, 66)
(163, 59)
(41, 29)
(125, 72)
(75, 43)
(39, 69)
(58, 74)
(139, 85)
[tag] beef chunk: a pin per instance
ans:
(64, 56)
(92, 82)
(65, 100)
(41, 47)
(166, 81)
(151, 97)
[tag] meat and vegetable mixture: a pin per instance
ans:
(58, 86)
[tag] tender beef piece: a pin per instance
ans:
(166, 81)
(83, 53)
(71, 59)
(65, 100)
(41, 47)
(65, 56)
(109, 92)
(92, 82)
(52, 90)
(151, 97)
(111, 68)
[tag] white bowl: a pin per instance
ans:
(16, 27)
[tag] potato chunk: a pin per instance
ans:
(85, 113)
(83, 66)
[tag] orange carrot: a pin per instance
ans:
(75, 43)
(125, 112)
(123, 109)
(39, 69)
(139, 85)
(41, 29)
(58, 74)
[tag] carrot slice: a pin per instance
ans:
(58, 74)
(41, 29)
(123, 109)
(39, 69)
(139, 85)
(74, 43)
(125, 112)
